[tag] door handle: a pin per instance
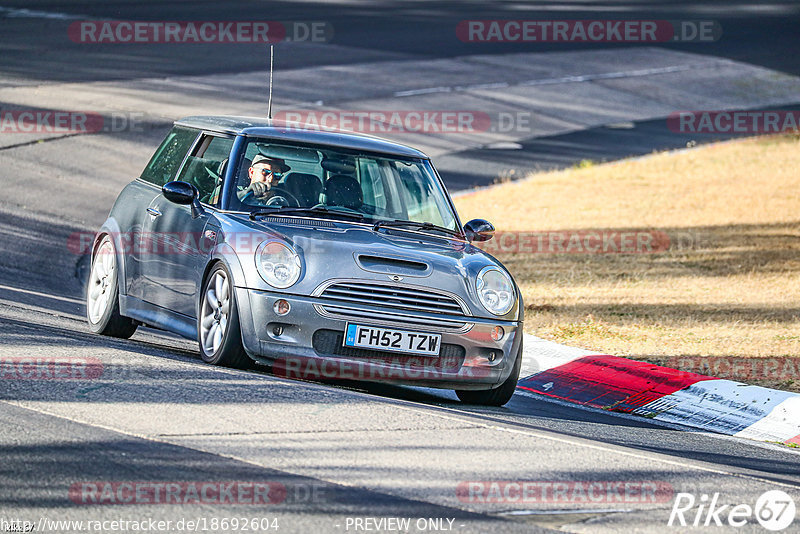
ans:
(154, 212)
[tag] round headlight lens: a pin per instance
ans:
(496, 290)
(277, 264)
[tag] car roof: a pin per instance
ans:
(278, 130)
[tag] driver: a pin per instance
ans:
(263, 173)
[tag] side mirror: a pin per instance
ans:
(179, 192)
(183, 193)
(479, 230)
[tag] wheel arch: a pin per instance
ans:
(225, 254)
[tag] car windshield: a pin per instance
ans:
(376, 187)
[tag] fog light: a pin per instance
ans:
(277, 330)
(282, 307)
(498, 333)
(491, 357)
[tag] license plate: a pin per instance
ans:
(372, 337)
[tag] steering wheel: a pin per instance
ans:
(282, 198)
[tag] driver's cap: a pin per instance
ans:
(277, 164)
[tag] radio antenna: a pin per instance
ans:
(269, 105)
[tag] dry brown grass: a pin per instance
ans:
(729, 284)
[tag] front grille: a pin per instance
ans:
(386, 318)
(329, 343)
(392, 297)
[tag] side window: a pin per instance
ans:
(205, 168)
(164, 163)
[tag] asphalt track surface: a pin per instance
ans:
(757, 33)
(341, 451)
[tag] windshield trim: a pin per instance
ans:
(461, 237)
(459, 225)
(243, 140)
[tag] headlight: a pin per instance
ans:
(496, 290)
(277, 264)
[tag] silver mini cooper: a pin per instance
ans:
(325, 255)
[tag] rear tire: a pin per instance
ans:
(218, 331)
(499, 395)
(102, 295)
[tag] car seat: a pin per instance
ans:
(304, 187)
(216, 174)
(345, 191)
(196, 172)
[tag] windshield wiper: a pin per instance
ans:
(306, 211)
(321, 210)
(415, 224)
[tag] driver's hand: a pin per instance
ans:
(259, 189)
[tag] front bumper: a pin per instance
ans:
(307, 344)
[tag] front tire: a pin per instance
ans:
(102, 295)
(218, 330)
(499, 395)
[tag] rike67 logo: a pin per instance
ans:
(774, 510)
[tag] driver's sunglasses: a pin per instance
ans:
(266, 172)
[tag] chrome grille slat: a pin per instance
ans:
(390, 318)
(392, 296)
(395, 293)
(396, 306)
(406, 302)
(394, 289)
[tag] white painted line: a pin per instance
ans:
(568, 512)
(414, 92)
(552, 81)
(497, 85)
(651, 457)
(22, 13)
(45, 311)
(503, 145)
(433, 411)
(611, 75)
(588, 443)
(39, 294)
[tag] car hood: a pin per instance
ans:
(339, 250)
